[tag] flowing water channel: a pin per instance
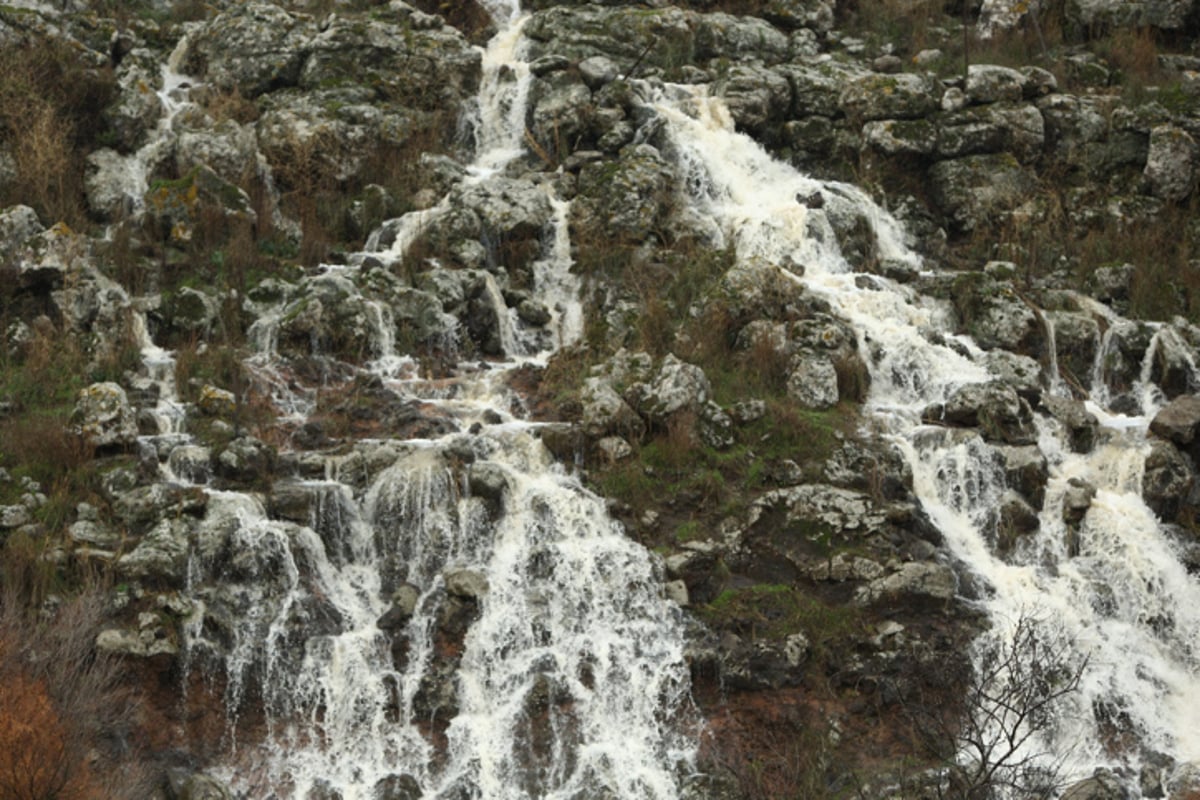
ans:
(570, 681)
(1118, 602)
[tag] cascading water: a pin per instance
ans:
(1115, 592)
(570, 680)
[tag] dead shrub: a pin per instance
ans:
(68, 724)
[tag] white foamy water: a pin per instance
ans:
(1119, 597)
(570, 680)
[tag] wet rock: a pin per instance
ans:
(1103, 785)
(134, 112)
(676, 386)
(1173, 359)
(104, 416)
(1171, 163)
(191, 463)
(597, 71)
(1076, 502)
(1167, 480)
(202, 787)
(994, 407)
(143, 643)
(245, 460)
(191, 311)
(755, 96)
(1025, 470)
(1167, 15)
(1178, 421)
(466, 584)
(1022, 373)
(488, 480)
(175, 209)
(753, 666)
(1017, 519)
(216, 402)
(1076, 337)
(1080, 424)
(397, 787)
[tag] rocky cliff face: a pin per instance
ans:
(318, 320)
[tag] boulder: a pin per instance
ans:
(1079, 424)
(757, 97)
(628, 199)
(17, 225)
(1169, 15)
(759, 665)
(994, 407)
(136, 108)
(1171, 163)
(996, 128)
(621, 33)
(253, 47)
(605, 412)
(901, 137)
(245, 460)
(161, 555)
(904, 96)
(812, 381)
(104, 416)
(1103, 785)
(977, 190)
(989, 83)
(915, 582)
(720, 35)
(1178, 421)
(397, 787)
(1167, 480)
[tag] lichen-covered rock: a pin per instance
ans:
(17, 225)
(626, 199)
(245, 460)
(720, 35)
(914, 582)
(560, 112)
(1171, 163)
(620, 33)
(755, 96)
(173, 209)
(989, 83)
(104, 416)
(904, 96)
(813, 381)
(994, 128)
(606, 412)
(817, 88)
(976, 190)
(161, 555)
(252, 47)
(901, 137)
(1081, 425)
(677, 386)
(132, 115)
(1168, 15)
(1178, 421)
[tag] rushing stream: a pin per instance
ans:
(1118, 599)
(570, 681)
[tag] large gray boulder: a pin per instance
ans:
(756, 96)
(1171, 163)
(977, 190)
(994, 407)
(720, 35)
(628, 199)
(252, 47)
(1179, 421)
(993, 128)
(902, 96)
(913, 583)
(104, 416)
(1170, 15)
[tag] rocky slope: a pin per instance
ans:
(219, 220)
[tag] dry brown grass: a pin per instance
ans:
(50, 107)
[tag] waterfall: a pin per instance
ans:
(461, 618)
(1114, 591)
